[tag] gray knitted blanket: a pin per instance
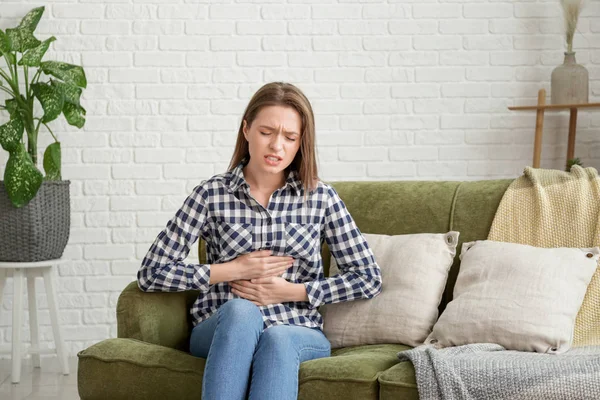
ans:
(489, 371)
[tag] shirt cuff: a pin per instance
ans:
(314, 293)
(199, 276)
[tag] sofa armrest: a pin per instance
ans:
(160, 318)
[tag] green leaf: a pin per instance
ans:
(52, 157)
(22, 39)
(51, 98)
(30, 21)
(33, 57)
(71, 93)
(21, 178)
(5, 44)
(69, 73)
(11, 58)
(11, 107)
(74, 114)
(11, 134)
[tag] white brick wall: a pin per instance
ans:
(402, 90)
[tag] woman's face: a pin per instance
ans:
(273, 138)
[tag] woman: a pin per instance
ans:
(264, 221)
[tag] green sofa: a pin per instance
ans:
(150, 358)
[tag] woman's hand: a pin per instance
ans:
(261, 264)
(263, 291)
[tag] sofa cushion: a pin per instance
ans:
(129, 369)
(350, 373)
(521, 297)
(398, 383)
(414, 269)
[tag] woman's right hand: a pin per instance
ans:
(261, 264)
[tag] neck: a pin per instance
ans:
(263, 182)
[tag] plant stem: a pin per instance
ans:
(16, 75)
(26, 73)
(50, 130)
(6, 77)
(9, 68)
(34, 80)
(37, 128)
(7, 91)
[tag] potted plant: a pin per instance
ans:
(34, 208)
(573, 161)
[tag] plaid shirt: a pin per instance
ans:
(222, 212)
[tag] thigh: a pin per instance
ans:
(202, 336)
(309, 343)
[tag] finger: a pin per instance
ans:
(244, 295)
(245, 288)
(285, 264)
(251, 298)
(280, 260)
(279, 270)
(262, 253)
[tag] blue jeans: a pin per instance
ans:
(239, 352)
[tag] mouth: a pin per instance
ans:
(272, 160)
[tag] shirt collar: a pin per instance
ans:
(237, 178)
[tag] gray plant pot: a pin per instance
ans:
(38, 231)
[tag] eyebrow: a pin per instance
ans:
(271, 128)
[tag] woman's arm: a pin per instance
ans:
(163, 268)
(360, 276)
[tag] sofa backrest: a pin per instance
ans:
(403, 207)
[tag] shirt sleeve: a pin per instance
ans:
(360, 276)
(163, 268)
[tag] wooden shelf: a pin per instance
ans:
(540, 108)
(556, 106)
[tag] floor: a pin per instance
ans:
(40, 383)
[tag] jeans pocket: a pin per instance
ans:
(234, 239)
(301, 240)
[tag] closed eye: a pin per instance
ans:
(267, 133)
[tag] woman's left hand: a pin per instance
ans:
(262, 291)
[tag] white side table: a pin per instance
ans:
(29, 271)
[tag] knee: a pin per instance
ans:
(276, 337)
(241, 312)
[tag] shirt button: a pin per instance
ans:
(590, 255)
(267, 244)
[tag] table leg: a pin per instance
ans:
(33, 318)
(18, 278)
(539, 129)
(53, 306)
(2, 283)
(572, 131)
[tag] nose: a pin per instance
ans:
(276, 143)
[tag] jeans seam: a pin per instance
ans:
(211, 347)
(296, 378)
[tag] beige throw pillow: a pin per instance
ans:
(521, 297)
(414, 270)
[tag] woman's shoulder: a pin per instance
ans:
(223, 179)
(324, 192)
(213, 184)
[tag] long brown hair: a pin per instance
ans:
(283, 94)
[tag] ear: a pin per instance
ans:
(245, 129)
